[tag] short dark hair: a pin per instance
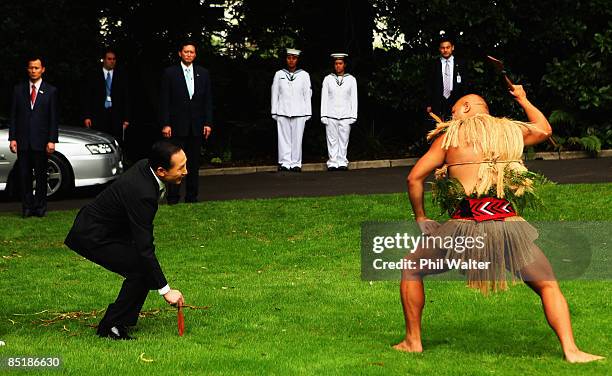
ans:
(446, 38)
(187, 42)
(161, 154)
(34, 58)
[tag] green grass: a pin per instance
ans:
(282, 280)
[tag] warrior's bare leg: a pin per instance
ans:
(540, 278)
(412, 293)
(413, 301)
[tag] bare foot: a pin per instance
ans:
(581, 357)
(409, 347)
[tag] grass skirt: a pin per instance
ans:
(507, 245)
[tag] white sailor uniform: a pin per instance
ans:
(291, 108)
(338, 112)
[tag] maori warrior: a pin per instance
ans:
(482, 183)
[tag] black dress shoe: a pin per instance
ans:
(117, 332)
(26, 213)
(342, 168)
(332, 169)
(296, 169)
(282, 168)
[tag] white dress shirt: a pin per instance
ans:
(451, 62)
(189, 80)
(106, 72)
(37, 85)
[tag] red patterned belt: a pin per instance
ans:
(484, 209)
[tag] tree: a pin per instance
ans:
(40, 27)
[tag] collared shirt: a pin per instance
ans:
(106, 72)
(162, 186)
(189, 80)
(451, 62)
(37, 85)
(162, 189)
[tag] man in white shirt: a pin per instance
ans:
(186, 111)
(105, 98)
(338, 112)
(291, 108)
(446, 81)
(33, 133)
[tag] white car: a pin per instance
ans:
(82, 157)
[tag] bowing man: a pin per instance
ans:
(115, 231)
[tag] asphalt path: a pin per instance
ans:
(313, 184)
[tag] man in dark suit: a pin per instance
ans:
(116, 232)
(186, 114)
(33, 133)
(445, 80)
(106, 99)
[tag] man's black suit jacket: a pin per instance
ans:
(124, 213)
(94, 96)
(435, 84)
(185, 116)
(34, 128)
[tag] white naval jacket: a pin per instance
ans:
(291, 94)
(339, 98)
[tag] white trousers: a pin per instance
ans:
(338, 132)
(290, 133)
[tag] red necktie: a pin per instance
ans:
(33, 95)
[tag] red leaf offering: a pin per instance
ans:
(181, 321)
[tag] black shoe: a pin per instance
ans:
(26, 213)
(40, 213)
(296, 169)
(117, 332)
(282, 169)
(342, 168)
(332, 169)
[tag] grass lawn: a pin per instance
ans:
(282, 282)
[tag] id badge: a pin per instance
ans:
(458, 78)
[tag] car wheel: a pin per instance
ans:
(59, 179)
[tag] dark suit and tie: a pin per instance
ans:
(441, 95)
(186, 109)
(116, 232)
(105, 101)
(33, 126)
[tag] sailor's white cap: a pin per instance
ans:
(339, 55)
(293, 51)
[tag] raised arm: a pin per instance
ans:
(541, 130)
